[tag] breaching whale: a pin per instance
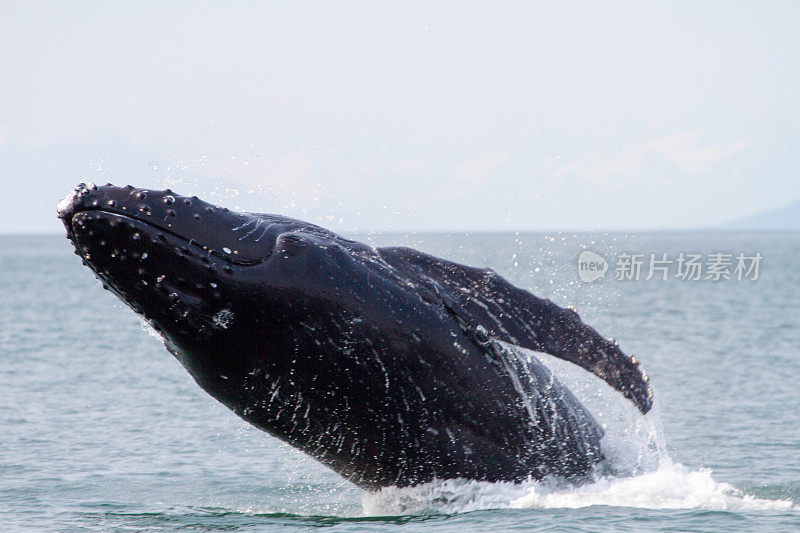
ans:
(390, 366)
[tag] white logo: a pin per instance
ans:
(591, 266)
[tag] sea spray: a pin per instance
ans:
(637, 471)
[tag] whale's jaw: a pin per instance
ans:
(225, 234)
(156, 260)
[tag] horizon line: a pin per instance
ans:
(727, 230)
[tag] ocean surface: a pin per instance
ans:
(101, 429)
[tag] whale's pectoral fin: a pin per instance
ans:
(507, 313)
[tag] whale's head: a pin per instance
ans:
(192, 269)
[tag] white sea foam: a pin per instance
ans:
(637, 472)
(669, 487)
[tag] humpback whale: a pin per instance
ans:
(388, 365)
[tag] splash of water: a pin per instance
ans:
(669, 487)
(637, 471)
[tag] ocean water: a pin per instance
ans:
(100, 428)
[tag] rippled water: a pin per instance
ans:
(101, 428)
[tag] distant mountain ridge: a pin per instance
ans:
(782, 218)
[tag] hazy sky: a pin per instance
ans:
(486, 116)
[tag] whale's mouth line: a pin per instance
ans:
(172, 294)
(156, 229)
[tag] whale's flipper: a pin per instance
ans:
(482, 297)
